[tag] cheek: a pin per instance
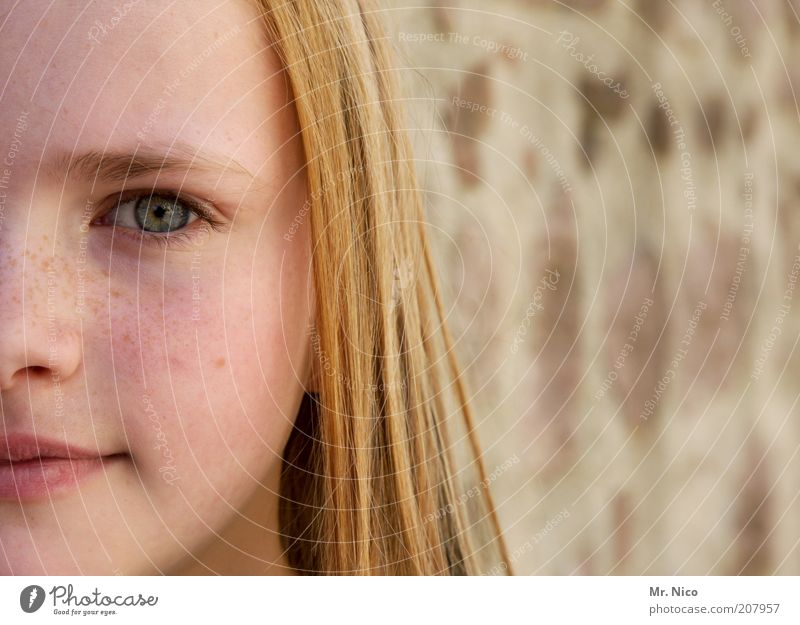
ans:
(209, 354)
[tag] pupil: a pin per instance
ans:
(160, 214)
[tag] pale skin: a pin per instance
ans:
(187, 357)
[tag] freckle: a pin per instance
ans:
(115, 293)
(219, 363)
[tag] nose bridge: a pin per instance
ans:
(39, 328)
(34, 272)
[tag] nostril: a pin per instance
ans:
(30, 375)
(36, 351)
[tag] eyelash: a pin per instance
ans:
(177, 238)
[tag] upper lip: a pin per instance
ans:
(22, 447)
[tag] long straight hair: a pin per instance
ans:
(373, 479)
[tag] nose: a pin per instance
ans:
(38, 340)
(33, 347)
(40, 337)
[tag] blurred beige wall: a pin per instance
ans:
(612, 193)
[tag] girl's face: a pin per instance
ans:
(151, 362)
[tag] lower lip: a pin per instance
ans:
(43, 477)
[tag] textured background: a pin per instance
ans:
(620, 274)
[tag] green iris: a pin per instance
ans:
(156, 213)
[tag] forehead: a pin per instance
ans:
(89, 74)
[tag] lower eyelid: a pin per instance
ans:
(189, 237)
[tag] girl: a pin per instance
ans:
(222, 349)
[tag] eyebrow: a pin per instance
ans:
(119, 165)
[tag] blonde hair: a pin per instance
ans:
(370, 482)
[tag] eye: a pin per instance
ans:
(161, 217)
(157, 213)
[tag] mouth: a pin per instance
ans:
(32, 467)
